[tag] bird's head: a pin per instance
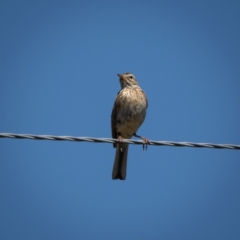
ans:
(127, 80)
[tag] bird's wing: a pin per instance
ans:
(145, 97)
(116, 107)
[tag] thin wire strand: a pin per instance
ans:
(110, 140)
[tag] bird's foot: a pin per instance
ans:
(145, 141)
(120, 139)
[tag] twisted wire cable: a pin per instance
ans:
(110, 140)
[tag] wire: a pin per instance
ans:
(110, 140)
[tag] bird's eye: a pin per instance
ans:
(131, 77)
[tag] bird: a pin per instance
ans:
(128, 114)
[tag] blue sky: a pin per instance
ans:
(59, 61)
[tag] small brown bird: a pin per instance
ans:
(128, 114)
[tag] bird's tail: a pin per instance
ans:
(120, 162)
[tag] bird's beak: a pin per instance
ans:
(119, 75)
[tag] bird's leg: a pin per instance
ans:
(120, 139)
(145, 141)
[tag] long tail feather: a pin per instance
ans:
(120, 162)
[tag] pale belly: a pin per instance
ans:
(130, 118)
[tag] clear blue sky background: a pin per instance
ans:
(58, 66)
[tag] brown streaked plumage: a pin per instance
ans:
(128, 114)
